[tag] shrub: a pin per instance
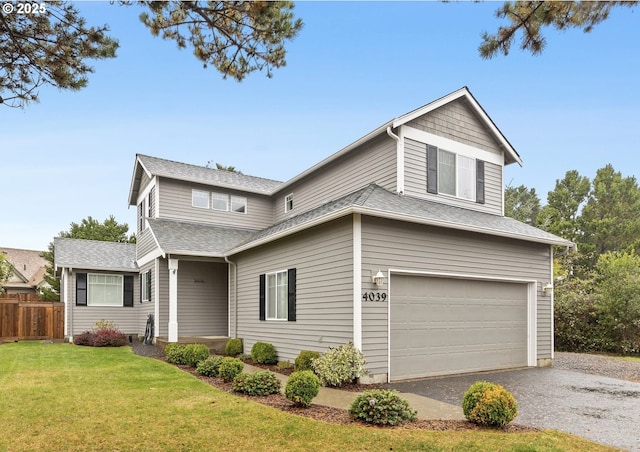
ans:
(340, 365)
(230, 368)
(174, 353)
(489, 405)
(103, 324)
(260, 383)
(304, 359)
(382, 407)
(302, 386)
(284, 365)
(233, 347)
(210, 366)
(109, 337)
(85, 338)
(194, 353)
(264, 353)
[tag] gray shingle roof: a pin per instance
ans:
(95, 255)
(195, 238)
(209, 176)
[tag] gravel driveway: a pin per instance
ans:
(591, 396)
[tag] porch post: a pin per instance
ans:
(173, 300)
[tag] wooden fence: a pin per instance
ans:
(31, 320)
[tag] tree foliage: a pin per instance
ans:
(529, 17)
(521, 203)
(5, 271)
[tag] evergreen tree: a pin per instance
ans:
(521, 203)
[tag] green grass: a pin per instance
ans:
(633, 359)
(67, 397)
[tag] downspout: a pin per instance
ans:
(235, 296)
(399, 160)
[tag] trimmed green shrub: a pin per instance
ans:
(489, 405)
(210, 366)
(260, 383)
(304, 359)
(174, 353)
(109, 337)
(381, 407)
(230, 368)
(233, 347)
(264, 353)
(194, 353)
(85, 338)
(284, 365)
(302, 386)
(340, 365)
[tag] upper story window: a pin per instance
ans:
(220, 201)
(145, 283)
(288, 203)
(238, 204)
(200, 199)
(151, 202)
(454, 174)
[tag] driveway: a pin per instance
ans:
(602, 409)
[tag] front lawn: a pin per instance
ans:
(68, 397)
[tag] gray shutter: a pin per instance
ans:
(263, 306)
(81, 289)
(128, 291)
(480, 181)
(432, 169)
(291, 295)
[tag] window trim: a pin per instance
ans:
(472, 181)
(201, 192)
(220, 198)
(145, 289)
(288, 203)
(120, 291)
(286, 291)
(245, 203)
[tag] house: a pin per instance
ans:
(398, 243)
(28, 268)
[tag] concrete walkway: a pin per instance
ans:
(427, 408)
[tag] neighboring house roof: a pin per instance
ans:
(154, 166)
(95, 255)
(28, 267)
(376, 201)
(196, 239)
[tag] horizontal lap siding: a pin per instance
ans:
(415, 157)
(373, 162)
(146, 308)
(145, 243)
(390, 244)
(163, 300)
(176, 203)
(324, 308)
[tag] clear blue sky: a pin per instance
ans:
(353, 67)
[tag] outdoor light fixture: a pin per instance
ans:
(547, 289)
(378, 279)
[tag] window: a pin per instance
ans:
(278, 295)
(104, 290)
(200, 199)
(151, 202)
(446, 172)
(141, 216)
(454, 174)
(219, 201)
(239, 204)
(288, 202)
(145, 282)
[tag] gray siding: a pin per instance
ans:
(175, 203)
(323, 258)
(375, 161)
(145, 243)
(457, 121)
(144, 181)
(84, 318)
(148, 307)
(391, 244)
(163, 297)
(415, 155)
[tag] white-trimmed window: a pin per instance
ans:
(104, 290)
(276, 295)
(238, 204)
(146, 286)
(220, 201)
(288, 202)
(200, 199)
(456, 175)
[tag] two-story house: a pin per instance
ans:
(398, 243)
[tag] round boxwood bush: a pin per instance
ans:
(233, 347)
(489, 405)
(304, 359)
(264, 353)
(174, 353)
(210, 366)
(194, 353)
(302, 386)
(340, 365)
(230, 368)
(259, 383)
(381, 407)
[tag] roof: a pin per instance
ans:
(196, 239)
(28, 267)
(376, 201)
(154, 166)
(94, 255)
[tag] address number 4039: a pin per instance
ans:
(374, 296)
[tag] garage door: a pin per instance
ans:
(443, 326)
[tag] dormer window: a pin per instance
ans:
(238, 204)
(288, 203)
(220, 201)
(454, 174)
(200, 199)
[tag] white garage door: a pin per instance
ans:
(443, 326)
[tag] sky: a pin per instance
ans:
(353, 67)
